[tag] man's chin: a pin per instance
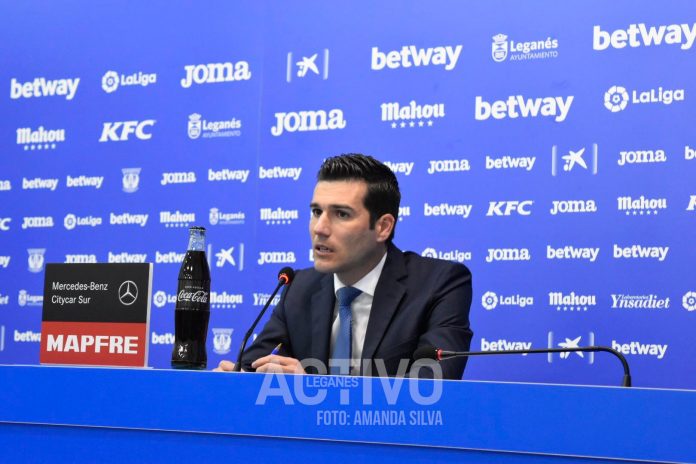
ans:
(324, 268)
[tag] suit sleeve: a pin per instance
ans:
(448, 322)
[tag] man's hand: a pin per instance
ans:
(279, 364)
(225, 366)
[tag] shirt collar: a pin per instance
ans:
(368, 283)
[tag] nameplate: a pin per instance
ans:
(96, 314)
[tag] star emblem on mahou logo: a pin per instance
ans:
(128, 293)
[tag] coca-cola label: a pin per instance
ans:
(193, 295)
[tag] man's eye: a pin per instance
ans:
(342, 214)
(316, 212)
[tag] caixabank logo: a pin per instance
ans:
(307, 65)
(570, 341)
(617, 98)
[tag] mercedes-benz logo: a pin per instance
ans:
(128, 292)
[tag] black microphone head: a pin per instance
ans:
(425, 352)
(286, 275)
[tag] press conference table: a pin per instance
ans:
(62, 414)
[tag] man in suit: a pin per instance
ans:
(366, 306)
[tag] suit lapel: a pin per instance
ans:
(388, 294)
(322, 318)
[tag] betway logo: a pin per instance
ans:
(459, 165)
(128, 219)
(176, 218)
(689, 153)
(517, 106)
(446, 209)
(621, 301)
(178, 178)
(573, 206)
(80, 258)
(409, 56)
(276, 257)
(510, 162)
(4, 261)
(400, 168)
(507, 208)
(508, 254)
(278, 215)
(162, 339)
(277, 172)
(38, 183)
(571, 252)
(641, 205)
(171, 257)
(449, 255)
(638, 35)
(307, 121)
(35, 222)
(27, 336)
(120, 131)
(504, 345)
(641, 156)
(126, 257)
(260, 299)
(39, 138)
(639, 251)
(84, 181)
(640, 349)
(41, 87)
(223, 175)
(212, 73)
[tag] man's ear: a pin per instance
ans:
(384, 227)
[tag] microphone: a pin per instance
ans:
(285, 277)
(429, 352)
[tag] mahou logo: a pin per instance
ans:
(308, 121)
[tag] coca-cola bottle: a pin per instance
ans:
(192, 311)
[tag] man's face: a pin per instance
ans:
(342, 240)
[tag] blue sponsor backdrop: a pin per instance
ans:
(547, 146)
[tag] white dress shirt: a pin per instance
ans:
(360, 311)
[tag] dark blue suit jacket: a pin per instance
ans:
(418, 301)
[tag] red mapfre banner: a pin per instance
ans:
(94, 343)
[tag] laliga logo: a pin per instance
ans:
(499, 48)
(489, 300)
(70, 221)
(429, 253)
(131, 179)
(128, 293)
(616, 99)
(110, 81)
(689, 301)
(160, 299)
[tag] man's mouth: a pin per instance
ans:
(321, 249)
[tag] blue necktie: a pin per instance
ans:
(343, 347)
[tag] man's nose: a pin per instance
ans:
(321, 225)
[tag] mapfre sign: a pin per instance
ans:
(96, 314)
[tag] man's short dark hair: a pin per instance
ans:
(383, 195)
